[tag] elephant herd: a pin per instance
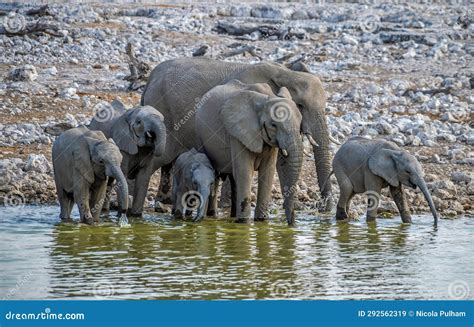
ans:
(208, 120)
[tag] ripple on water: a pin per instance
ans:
(162, 258)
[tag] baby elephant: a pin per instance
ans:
(194, 185)
(82, 161)
(366, 166)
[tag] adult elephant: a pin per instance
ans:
(176, 88)
(242, 127)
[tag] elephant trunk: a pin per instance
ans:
(289, 169)
(204, 201)
(322, 158)
(422, 185)
(160, 138)
(122, 189)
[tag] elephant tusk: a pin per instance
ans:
(284, 152)
(311, 140)
(148, 134)
(306, 153)
(334, 140)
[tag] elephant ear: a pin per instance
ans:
(284, 93)
(241, 120)
(123, 135)
(382, 164)
(82, 159)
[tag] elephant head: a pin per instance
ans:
(271, 120)
(400, 167)
(202, 177)
(141, 127)
(102, 158)
(307, 92)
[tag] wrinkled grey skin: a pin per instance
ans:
(193, 179)
(362, 165)
(140, 134)
(176, 87)
(83, 160)
(240, 130)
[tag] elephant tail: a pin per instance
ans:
(142, 99)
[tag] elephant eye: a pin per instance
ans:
(101, 161)
(139, 121)
(273, 125)
(300, 107)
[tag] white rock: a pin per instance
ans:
(24, 73)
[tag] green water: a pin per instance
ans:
(162, 258)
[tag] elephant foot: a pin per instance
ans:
(260, 218)
(406, 219)
(66, 220)
(159, 207)
(164, 199)
(89, 220)
(211, 213)
(241, 220)
(370, 219)
(326, 205)
(136, 214)
(341, 214)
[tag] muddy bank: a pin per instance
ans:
(401, 72)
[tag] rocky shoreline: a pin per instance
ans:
(398, 71)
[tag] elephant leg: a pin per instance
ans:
(346, 192)
(242, 170)
(348, 205)
(266, 174)
(373, 187)
(140, 190)
(106, 206)
(66, 204)
(82, 197)
(212, 208)
(97, 199)
(400, 200)
(233, 195)
(164, 190)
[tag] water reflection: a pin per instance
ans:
(161, 258)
